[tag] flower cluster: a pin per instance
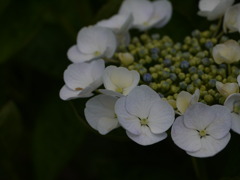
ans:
(148, 84)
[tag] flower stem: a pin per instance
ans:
(218, 27)
(110, 61)
(229, 70)
(199, 168)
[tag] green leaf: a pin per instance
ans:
(57, 135)
(17, 34)
(10, 133)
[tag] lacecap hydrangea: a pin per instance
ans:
(153, 87)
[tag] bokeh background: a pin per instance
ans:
(45, 138)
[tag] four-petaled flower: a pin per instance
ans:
(147, 14)
(92, 43)
(119, 81)
(81, 79)
(144, 115)
(233, 103)
(213, 9)
(203, 130)
(100, 114)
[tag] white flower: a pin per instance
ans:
(238, 80)
(144, 115)
(185, 99)
(92, 43)
(227, 89)
(227, 52)
(233, 103)
(81, 79)
(119, 80)
(100, 114)
(203, 130)
(213, 9)
(231, 19)
(147, 14)
(120, 25)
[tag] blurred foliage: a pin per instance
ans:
(45, 138)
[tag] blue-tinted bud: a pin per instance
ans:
(206, 61)
(183, 85)
(154, 50)
(167, 62)
(224, 66)
(173, 76)
(212, 82)
(192, 70)
(184, 64)
(147, 77)
(208, 44)
(200, 72)
(154, 56)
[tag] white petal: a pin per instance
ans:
(67, 93)
(229, 102)
(100, 114)
(146, 137)
(141, 10)
(211, 146)
(231, 19)
(207, 5)
(185, 138)
(238, 80)
(161, 117)
(235, 123)
(214, 9)
(140, 100)
(227, 89)
(162, 13)
(221, 125)
(119, 23)
(198, 116)
(110, 93)
(128, 121)
(95, 39)
(120, 79)
(76, 56)
(80, 75)
(183, 101)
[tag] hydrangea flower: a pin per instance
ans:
(227, 52)
(144, 115)
(185, 99)
(120, 25)
(81, 79)
(147, 14)
(227, 89)
(203, 130)
(119, 80)
(213, 9)
(100, 114)
(231, 21)
(92, 43)
(233, 103)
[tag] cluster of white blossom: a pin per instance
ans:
(199, 129)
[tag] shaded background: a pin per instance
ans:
(45, 138)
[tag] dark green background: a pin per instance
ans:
(45, 138)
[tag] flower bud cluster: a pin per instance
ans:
(170, 67)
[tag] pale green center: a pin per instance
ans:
(144, 121)
(119, 90)
(97, 53)
(236, 107)
(203, 133)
